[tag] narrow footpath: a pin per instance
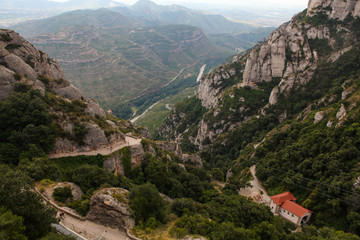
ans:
(75, 225)
(129, 141)
(256, 191)
(90, 230)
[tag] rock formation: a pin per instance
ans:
(21, 62)
(110, 207)
(75, 190)
(288, 58)
(335, 9)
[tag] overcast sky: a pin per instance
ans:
(280, 3)
(234, 3)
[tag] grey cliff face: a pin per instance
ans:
(335, 9)
(208, 91)
(21, 62)
(289, 57)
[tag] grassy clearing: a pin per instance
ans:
(155, 117)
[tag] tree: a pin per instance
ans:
(227, 231)
(39, 168)
(16, 195)
(25, 119)
(61, 194)
(11, 226)
(146, 203)
(90, 177)
(217, 174)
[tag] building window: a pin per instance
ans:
(292, 215)
(272, 207)
(288, 213)
(284, 210)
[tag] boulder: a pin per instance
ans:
(110, 207)
(319, 116)
(192, 159)
(93, 108)
(95, 137)
(137, 154)
(341, 113)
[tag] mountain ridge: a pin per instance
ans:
(301, 84)
(176, 14)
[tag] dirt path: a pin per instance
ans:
(85, 228)
(91, 230)
(256, 189)
(129, 141)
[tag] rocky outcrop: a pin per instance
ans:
(210, 86)
(75, 190)
(319, 116)
(94, 140)
(289, 57)
(192, 159)
(137, 155)
(70, 92)
(21, 62)
(341, 113)
(22, 57)
(6, 81)
(113, 164)
(93, 109)
(167, 146)
(335, 9)
(95, 137)
(110, 207)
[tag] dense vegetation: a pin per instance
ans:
(317, 160)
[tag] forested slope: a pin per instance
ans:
(290, 106)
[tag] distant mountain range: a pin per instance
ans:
(174, 14)
(51, 5)
(119, 54)
(114, 58)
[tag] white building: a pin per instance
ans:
(285, 206)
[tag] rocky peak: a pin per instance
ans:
(287, 61)
(335, 9)
(21, 62)
(22, 57)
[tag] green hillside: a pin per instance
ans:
(115, 59)
(149, 11)
(298, 126)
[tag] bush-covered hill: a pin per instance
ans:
(290, 106)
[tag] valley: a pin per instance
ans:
(247, 137)
(121, 59)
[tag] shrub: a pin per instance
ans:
(180, 206)
(61, 194)
(147, 203)
(17, 76)
(81, 206)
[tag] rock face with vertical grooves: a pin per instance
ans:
(288, 59)
(21, 62)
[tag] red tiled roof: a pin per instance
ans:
(294, 208)
(283, 197)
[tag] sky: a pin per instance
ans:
(230, 3)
